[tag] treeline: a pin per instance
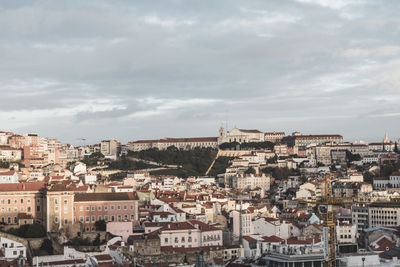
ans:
(191, 162)
(126, 164)
(247, 146)
(220, 165)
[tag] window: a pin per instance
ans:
(119, 218)
(22, 201)
(93, 208)
(125, 207)
(38, 208)
(65, 202)
(87, 208)
(176, 240)
(81, 219)
(9, 201)
(105, 207)
(166, 240)
(132, 217)
(119, 207)
(131, 207)
(66, 221)
(183, 239)
(93, 218)
(56, 208)
(87, 219)
(99, 208)
(112, 218)
(112, 207)
(106, 218)
(100, 218)
(80, 208)
(56, 219)
(55, 201)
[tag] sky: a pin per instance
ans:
(133, 69)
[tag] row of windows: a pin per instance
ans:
(383, 223)
(22, 209)
(176, 240)
(15, 201)
(99, 208)
(384, 211)
(92, 219)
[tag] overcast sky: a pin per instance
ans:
(180, 68)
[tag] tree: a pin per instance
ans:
(47, 246)
(35, 230)
(100, 225)
(96, 241)
(96, 155)
(250, 170)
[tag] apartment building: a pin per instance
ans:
(187, 234)
(305, 140)
(11, 249)
(274, 137)
(9, 177)
(384, 214)
(113, 207)
(252, 181)
(241, 223)
(8, 153)
(110, 148)
(20, 200)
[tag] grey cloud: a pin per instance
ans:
(150, 69)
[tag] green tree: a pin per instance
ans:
(250, 170)
(100, 225)
(47, 246)
(96, 241)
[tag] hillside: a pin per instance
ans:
(191, 163)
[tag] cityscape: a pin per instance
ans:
(242, 198)
(200, 133)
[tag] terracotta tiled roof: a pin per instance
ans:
(249, 238)
(272, 239)
(120, 196)
(8, 173)
(36, 186)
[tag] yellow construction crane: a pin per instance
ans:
(325, 207)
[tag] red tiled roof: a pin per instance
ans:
(7, 173)
(120, 196)
(272, 239)
(249, 238)
(13, 187)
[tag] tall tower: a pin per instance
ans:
(222, 134)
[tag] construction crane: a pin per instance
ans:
(325, 207)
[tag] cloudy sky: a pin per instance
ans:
(172, 68)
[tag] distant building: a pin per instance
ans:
(110, 148)
(10, 154)
(240, 136)
(305, 140)
(274, 137)
(11, 249)
(180, 143)
(8, 177)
